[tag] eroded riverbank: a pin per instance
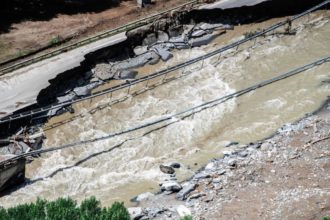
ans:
(122, 173)
(283, 177)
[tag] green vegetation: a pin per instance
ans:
(21, 53)
(251, 33)
(326, 218)
(65, 209)
(55, 40)
(187, 217)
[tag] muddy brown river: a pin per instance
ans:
(121, 173)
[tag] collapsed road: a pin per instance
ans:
(111, 68)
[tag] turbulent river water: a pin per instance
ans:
(113, 174)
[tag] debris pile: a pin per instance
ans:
(24, 141)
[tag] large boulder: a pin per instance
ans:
(150, 39)
(144, 196)
(163, 52)
(171, 186)
(126, 74)
(140, 50)
(162, 36)
(103, 71)
(166, 169)
(189, 187)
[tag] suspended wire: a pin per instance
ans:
(179, 115)
(161, 72)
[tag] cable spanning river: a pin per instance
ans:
(122, 172)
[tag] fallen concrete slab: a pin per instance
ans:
(21, 87)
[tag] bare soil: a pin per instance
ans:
(28, 35)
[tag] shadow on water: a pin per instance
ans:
(14, 11)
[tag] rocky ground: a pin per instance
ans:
(284, 177)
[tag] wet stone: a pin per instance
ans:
(202, 176)
(175, 165)
(171, 186)
(166, 169)
(144, 196)
(182, 194)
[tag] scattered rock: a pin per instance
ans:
(182, 194)
(103, 71)
(175, 165)
(266, 146)
(163, 52)
(183, 211)
(126, 74)
(216, 180)
(210, 166)
(144, 196)
(162, 36)
(221, 172)
(208, 198)
(153, 212)
(232, 162)
(232, 143)
(149, 40)
(136, 213)
(202, 175)
(171, 186)
(140, 50)
(166, 169)
(243, 153)
(196, 196)
(228, 152)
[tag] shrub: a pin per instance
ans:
(187, 217)
(55, 40)
(65, 209)
(119, 212)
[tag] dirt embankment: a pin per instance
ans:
(29, 33)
